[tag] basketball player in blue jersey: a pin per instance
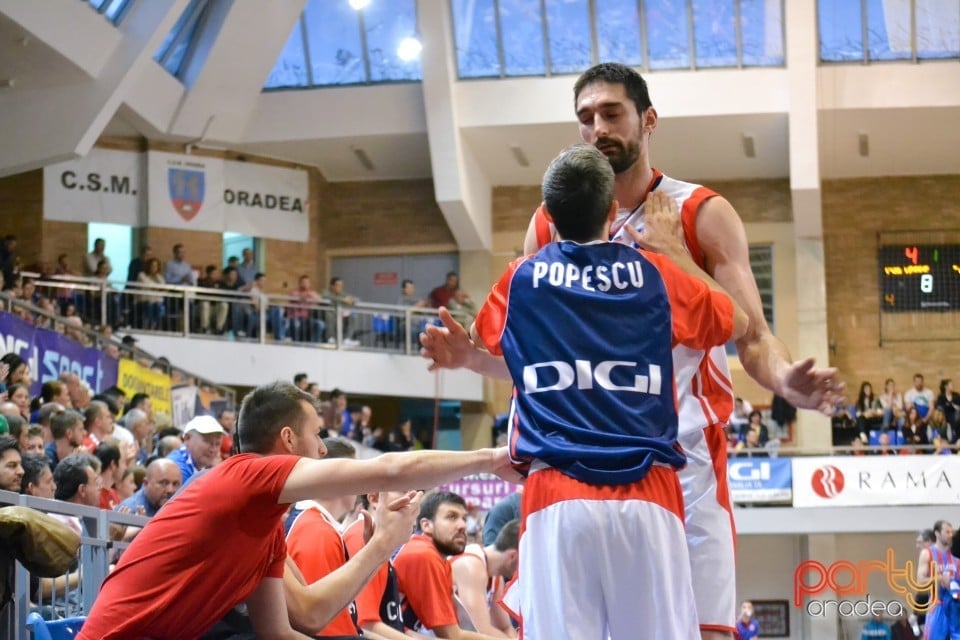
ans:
(944, 569)
(593, 420)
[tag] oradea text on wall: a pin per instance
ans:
(179, 191)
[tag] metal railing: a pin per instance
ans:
(97, 552)
(50, 319)
(238, 315)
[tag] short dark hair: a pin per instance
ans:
(107, 400)
(107, 454)
(405, 282)
(613, 73)
(50, 390)
(339, 448)
(938, 525)
(64, 421)
(115, 391)
(13, 362)
(71, 474)
(578, 192)
(299, 377)
(47, 411)
(137, 400)
(258, 275)
(33, 467)
(265, 411)
(15, 425)
(179, 245)
(431, 503)
(8, 442)
(34, 431)
(927, 535)
(93, 411)
(335, 279)
(509, 536)
(915, 376)
(336, 393)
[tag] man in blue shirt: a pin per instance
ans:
(201, 446)
(159, 484)
(747, 626)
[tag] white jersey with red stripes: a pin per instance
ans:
(704, 387)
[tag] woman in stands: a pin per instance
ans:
(914, 431)
(18, 371)
(949, 403)
(19, 395)
(869, 410)
(891, 401)
(939, 432)
(150, 303)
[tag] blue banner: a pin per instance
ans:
(49, 354)
(760, 479)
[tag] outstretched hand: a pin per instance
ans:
(503, 467)
(449, 346)
(662, 229)
(393, 520)
(808, 387)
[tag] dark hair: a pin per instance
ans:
(233, 259)
(258, 275)
(943, 386)
(13, 361)
(336, 393)
(137, 400)
(8, 442)
(15, 425)
(405, 282)
(229, 270)
(71, 474)
(210, 268)
(11, 389)
(339, 448)
(938, 525)
(93, 411)
(452, 273)
(862, 396)
(33, 467)
(613, 73)
(179, 245)
(335, 279)
(47, 411)
(265, 411)
(915, 376)
(34, 431)
(299, 377)
(431, 503)
(578, 191)
(99, 240)
(116, 392)
(50, 390)
(107, 454)
(509, 536)
(927, 535)
(64, 421)
(110, 403)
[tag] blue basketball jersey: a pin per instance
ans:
(587, 333)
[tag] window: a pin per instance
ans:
(334, 44)
(185, 49)
(113, 10)
(878, 30)
(119, 245)
(507, 38)
(761, 263)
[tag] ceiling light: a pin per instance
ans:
(409, 49)
(520, 156)
(359, 5)
(363, 158)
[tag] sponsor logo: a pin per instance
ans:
(828, 481)
(557, 376)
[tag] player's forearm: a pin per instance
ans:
(741, 321)
(765, 359)
(431, 468)
(486, 364)
(380, 629)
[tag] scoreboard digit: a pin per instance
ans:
(919, 277)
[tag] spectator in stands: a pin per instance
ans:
(112, 467)
(747, 626)
(34, 441)
(212, 279)
(401, 438)
(77, 389)
(167, 445)
(919, 396)
(160, 483)
(755, 423)
(10, 411)
(857, 447)
(342, 417)
(201, 446)
(479, 576)
(178, 271)
(127, 485)
(258, 300)
(750, 446)
(98, 423)
(78, 481)
(151, 307)
(17, 369)
(441, 296)
(891, 401)
(94, 258)
(68, 434)
(409, 297)
(138, 264)
(914, 430)
(462, 307)
(139, 424)
(869, 410)
(19, 395)
(236, 322)
(247, 269)
(228, 421)
(8, 261)
(45, 415)
(300, 381)
(314, 390)
(37, 480)
(949, 403)
(939, 432)
(341, 299)
(54, 391)
(305, 322)
(143, 402)
(883, 445)
(741, 413)
(11, 471)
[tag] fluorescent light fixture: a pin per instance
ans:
(749, 148)
(409, 49)
(359, 5)
(519, 156)
(363, 158)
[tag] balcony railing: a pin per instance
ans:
(194, 312)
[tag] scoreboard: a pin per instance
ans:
(919, 277)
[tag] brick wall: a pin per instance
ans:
(21, 212)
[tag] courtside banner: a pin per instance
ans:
(133, 378)
(266, 202)
(482, 490)
(760, 479)
(103, 186)
(856, 481)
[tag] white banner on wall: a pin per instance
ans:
(876, 480)
(103, 186)
(185, 192)
(265, 201)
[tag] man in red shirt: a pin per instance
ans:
(441, 296)
(423, 573)
(182, 574)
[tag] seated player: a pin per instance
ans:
(479, 575)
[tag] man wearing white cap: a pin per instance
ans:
(201, 446)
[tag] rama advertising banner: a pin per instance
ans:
(103, 186)
(855, 481)
(50, 354)
(760, 479)
(482, 490)
(133, 378)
